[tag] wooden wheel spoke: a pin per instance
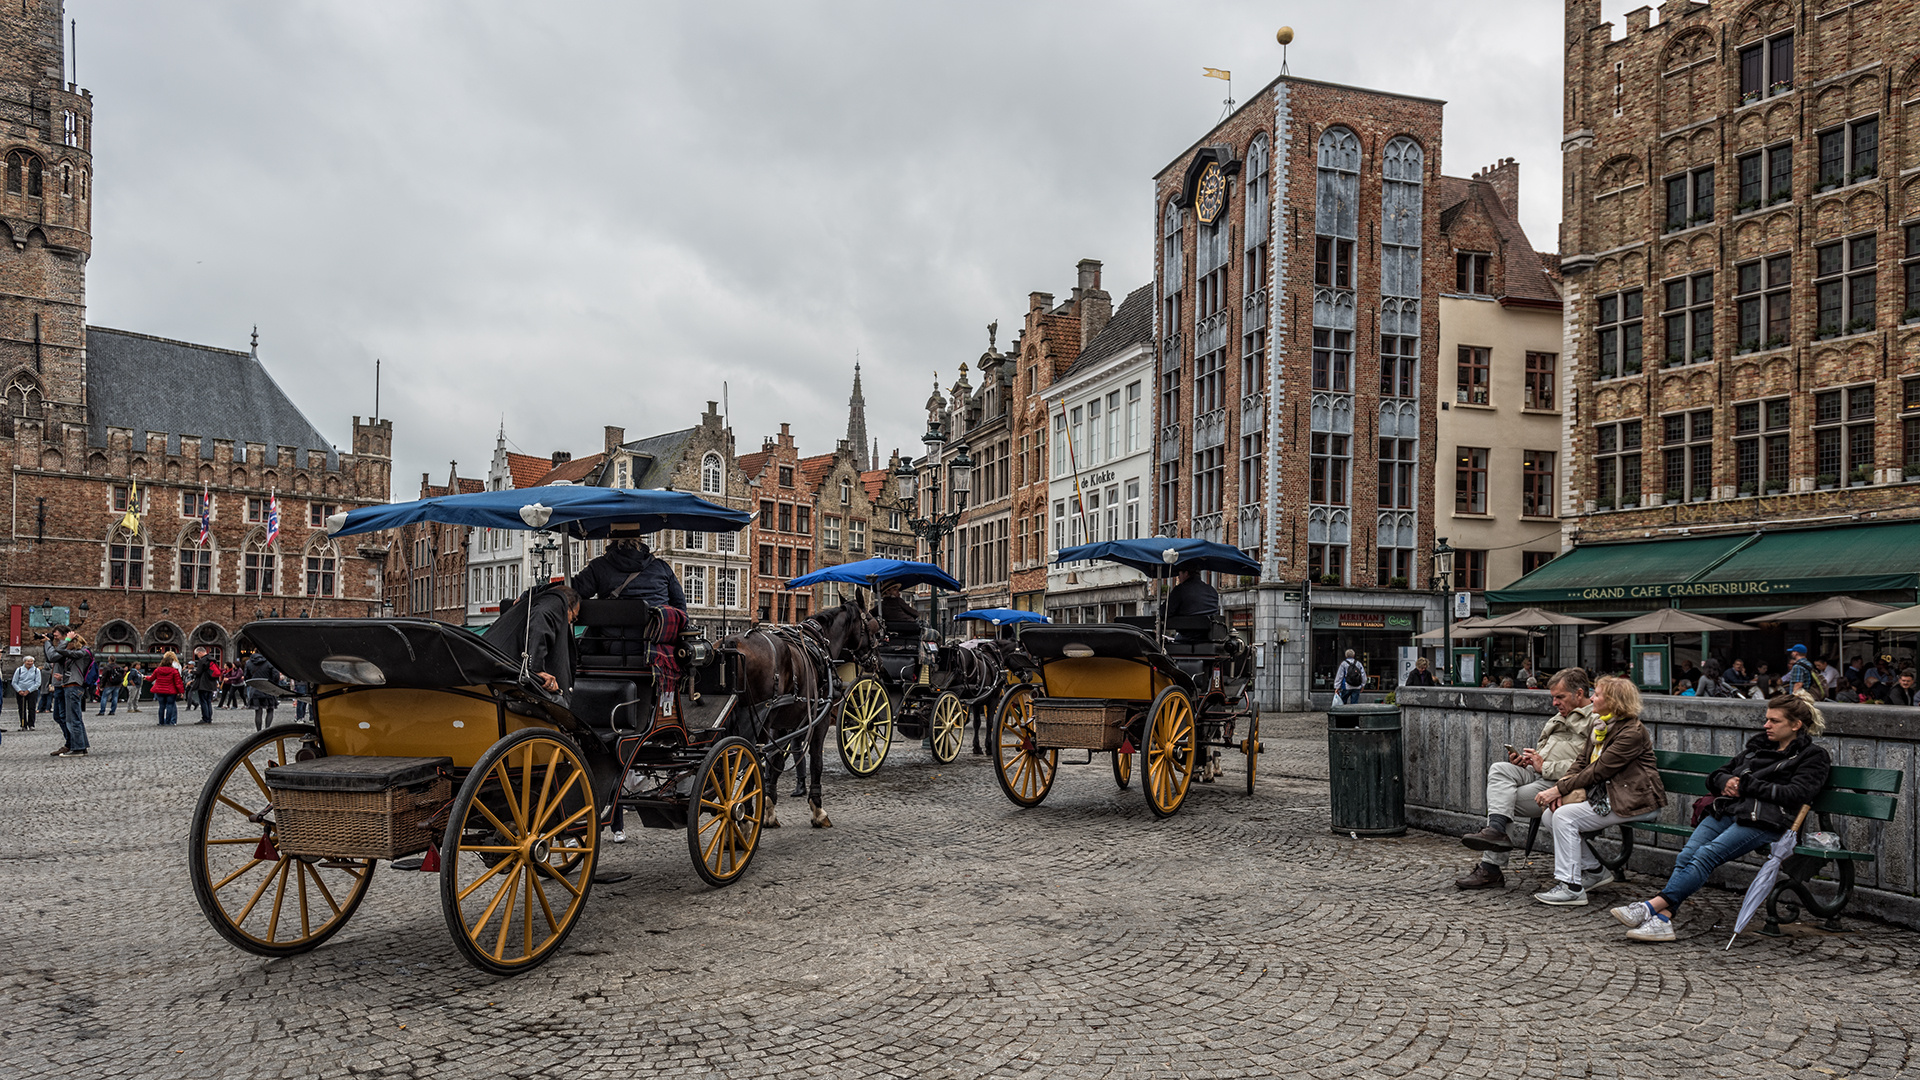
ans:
(279, 900)
(228, 880)
(255, 898)
(501, 770)
(556, 875)
(512, 888)
(722, 823)
(244, 812)
(306, 927)
(539, 816)
(545, 907)
(482, 879)
(498, 849)
(498, 825)
(526, 915)
(254, 840)
(577, 779)
(258, 780)
(325, 893)
(571, 818)
(486, 915)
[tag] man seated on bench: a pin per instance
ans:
(1513, 783)
(1190, 597)
(1760, 791)
(1618, 782)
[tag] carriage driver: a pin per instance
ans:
(629, 571)
(540, 624)
(896, 608)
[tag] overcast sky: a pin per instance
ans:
(574, 215)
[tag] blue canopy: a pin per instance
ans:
(1149, 556)
(1000, 615)
(876, 572)
(586, 513)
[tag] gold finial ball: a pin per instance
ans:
(1285, 36)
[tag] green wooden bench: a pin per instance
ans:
(1850, 792)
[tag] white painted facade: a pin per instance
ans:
(1100, 421)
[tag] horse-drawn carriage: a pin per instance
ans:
(427, 740)
(911, 680)
(1171, 690)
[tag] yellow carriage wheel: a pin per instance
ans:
(257, 897)
(517, 861)
(1025, 771)
(723, 820)
(1122, 769)
(947, 729)
(1250, 746)
(1170, 752)
(866, 727)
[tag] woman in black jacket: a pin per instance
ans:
(1760, 793)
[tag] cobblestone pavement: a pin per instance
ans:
(937, 931)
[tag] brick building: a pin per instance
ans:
(97, 420)
(842, 515)
(1739, 220)
(427, 570)
(1294, 273)
(783, 528)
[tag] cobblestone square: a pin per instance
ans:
(936, 931)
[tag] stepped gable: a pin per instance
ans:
(145, 383)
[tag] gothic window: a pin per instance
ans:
(126, 560)
(257, 566)
(710, 474)
(1336, 228)
(23, 174)
(196, 562)
(323, 562)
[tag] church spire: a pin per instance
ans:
(857, 421)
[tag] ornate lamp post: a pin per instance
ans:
(936, 526)
(1443, 581)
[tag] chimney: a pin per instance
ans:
(1091, 302)
(561, 457)
(786, 435)
(615, 436)
(1504, 176)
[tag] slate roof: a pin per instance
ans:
(1132, 324)
(526, 470)
(661, 451)
(1526, 275)
(152, 384)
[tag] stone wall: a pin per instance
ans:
(1453, 734)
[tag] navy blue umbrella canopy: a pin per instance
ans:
(1001, 615)
(1163, 556)
(585, 513)
(872, 572)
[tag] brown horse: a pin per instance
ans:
(787, 671)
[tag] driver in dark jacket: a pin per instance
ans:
(629, 571)
(1192, 596)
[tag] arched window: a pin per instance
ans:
(196, 561)
(259, 560)
(126, 560)
(1336, 228)
(710, 474)
(1172, 262)
(66, 179)
(23, 174)
(323, 569)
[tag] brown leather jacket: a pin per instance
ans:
(1624, 763)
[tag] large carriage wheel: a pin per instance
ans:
(1025, 771)
(866, 727)
(723, 819)
(517, 860)
(948, 727)
(1122, 769)
(1250, 746)
(256, 897)
(1171, 750)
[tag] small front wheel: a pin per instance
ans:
(1250, 746)
(1025, 771)
(1171, 749)
(517, 860)
(865, 727)
(729, 803)
(1122, 769)
(948, 726)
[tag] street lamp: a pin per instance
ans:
(544, 546)
(936, 526)
(1443, 581)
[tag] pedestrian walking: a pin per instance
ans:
(167, 688)
(263, 700)
(111, 676)
(71, 658)
(26, 688)
(133, 681)
(1800, 675)
(203, 678)
(1349, 679)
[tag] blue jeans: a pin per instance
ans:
(71, 715)
(109, 701)
(1715, 840)
(1348, 695)
(206, 705)
(169, 711)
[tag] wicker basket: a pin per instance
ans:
(1079, 724)
(359, 824)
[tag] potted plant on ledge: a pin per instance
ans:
(1746, 489)
(1827, 481)
(1862, 476)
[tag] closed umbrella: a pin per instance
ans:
(1762, 885)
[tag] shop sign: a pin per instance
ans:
(1371, 620)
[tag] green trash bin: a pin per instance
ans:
(1368, 787)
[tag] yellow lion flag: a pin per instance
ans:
(130, 521)
(1217, 73)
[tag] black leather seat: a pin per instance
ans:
(629, 649)
(607, 703)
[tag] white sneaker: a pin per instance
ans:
(1563, 895)
(619, 838)
(1634, 914)
(1593, 879)
(1654, 929)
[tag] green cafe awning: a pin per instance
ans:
(1845, 559)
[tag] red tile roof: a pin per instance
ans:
(572, 472)
(814, 469)
(526, 469)
(752, 465)
(1526, 279)
(468, 485)
(875, 481)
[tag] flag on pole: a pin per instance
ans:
(130, 520)
(273, 517)
(206, 517)
(1217, 73)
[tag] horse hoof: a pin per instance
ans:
(770, 822)
(820, 819)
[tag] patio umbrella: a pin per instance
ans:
(1894, 619)
(1762, 885)
(1834, 609)
(1671, 621)
(1533, 616)
(1439, 633)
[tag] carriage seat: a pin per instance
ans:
(903, 634)
(609, 703)
(629, 649)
